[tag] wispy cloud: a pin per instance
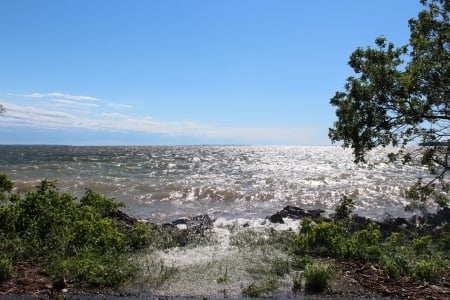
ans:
(61, 95)
(61, 113)
(65, 102)
(119, 106)
(114, 115)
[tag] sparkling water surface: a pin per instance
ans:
(160, 183)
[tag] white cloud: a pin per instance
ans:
(114, 115)
(61, 95)
(44, 116)
(119, 106)
(71, 103)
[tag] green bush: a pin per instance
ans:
(105, 206)
(6, 271)
(391, 269)
(420, 254)
(427, 270)
(325, 238)
(140, 236)
(365, 244)
(423, 245)
(397, 257)
(96, 270)
(397, 264)
(318, 277)
(6, 186)
(259, 289)
(344, 209)
(297, 281)
(445, 241)
(79, 240)
(299, 262)
(279, 267)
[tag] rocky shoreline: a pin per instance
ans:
(387, 226)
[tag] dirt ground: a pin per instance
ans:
(31, 281)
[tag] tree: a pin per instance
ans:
(400, 96)
(2, 109)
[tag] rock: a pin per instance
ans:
(201, 222)
(295, 213)
(442, 216)
(121, 216)
(315, 213)
(276, 218)
(181, 226)
(59, 284)
(181, 221)
(198, 223)
(358, 222)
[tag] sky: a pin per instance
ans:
(182, 72)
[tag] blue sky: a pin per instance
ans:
(143, 72)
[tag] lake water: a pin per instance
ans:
(161, 184)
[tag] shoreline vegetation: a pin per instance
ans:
(53, 245)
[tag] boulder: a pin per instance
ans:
(198, 223)
(276, 218)
(295, 213)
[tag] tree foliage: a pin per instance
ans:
(401, 95)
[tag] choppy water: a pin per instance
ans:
(228, 182)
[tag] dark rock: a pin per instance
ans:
(315, 213)
(182, 221)
(201, 222)
(293, 212)
(358, 222)
(276, 218)
(442, 216)
(121, 216)
(197, 223)
(59, 284)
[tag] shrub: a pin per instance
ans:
(263, 288)
(280, 267)
(423, 245)
(344, 209)
(427, 270)
(100, 203)
(325, 238)
(6, 185)
(299, 262)
(6, 271)
(365, 244)
(318, 277)
(297, 281)
(78, 240)
(96, 270)
(391, 269)
(396, 258)
(397, 264)
(139, 236)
